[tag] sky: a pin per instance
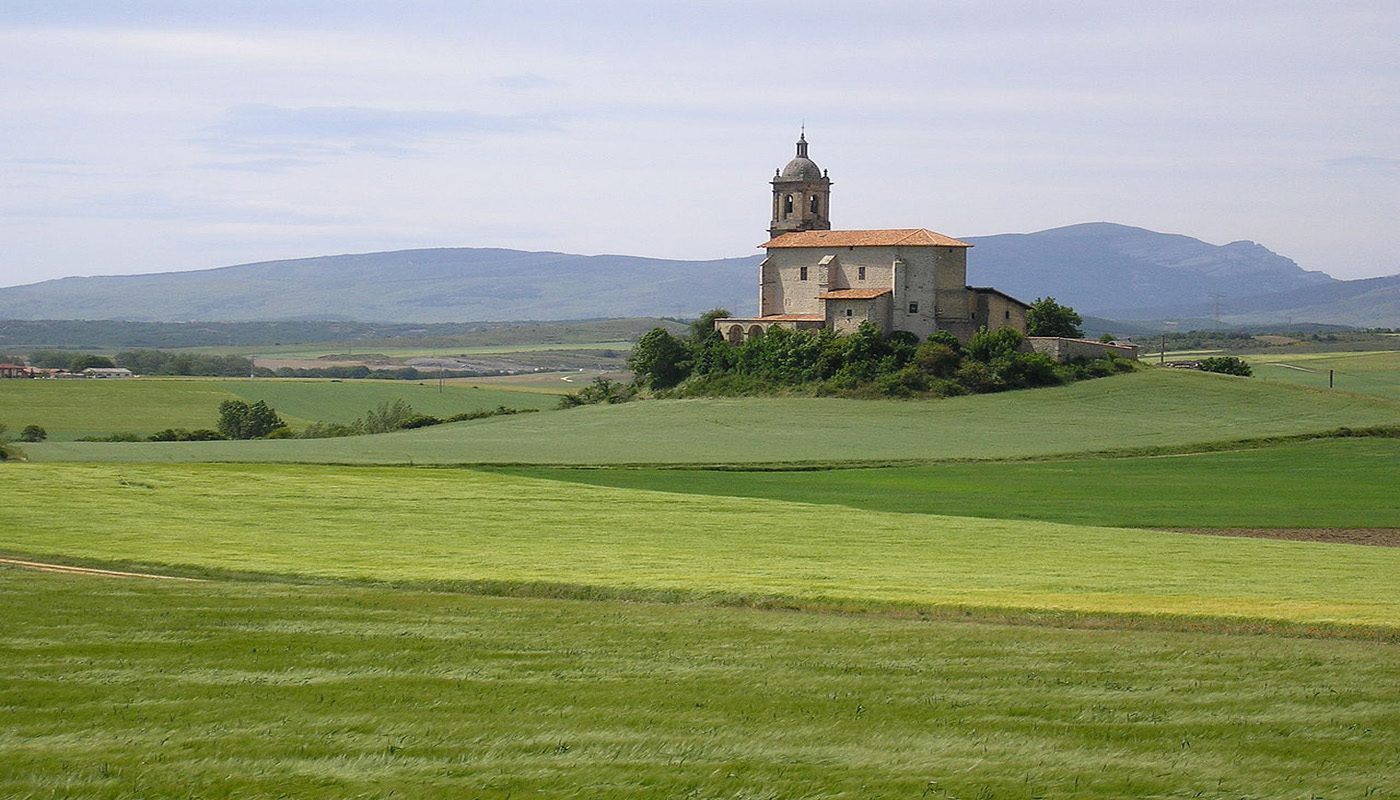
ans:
(161, 136)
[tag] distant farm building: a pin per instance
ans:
(107, 372)
(16, 371)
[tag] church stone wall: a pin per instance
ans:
(929, 283)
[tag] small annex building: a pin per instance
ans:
(909, 279)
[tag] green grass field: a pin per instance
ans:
(1315, 484)
(465, 527)
(118, 689)
(1151, 409)
(414, 350)
(969, 629)
(70, 409)
(1376, 373)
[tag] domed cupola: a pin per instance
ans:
(801, 168)
(801, 193)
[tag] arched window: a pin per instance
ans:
(787, 205)
(815, 205)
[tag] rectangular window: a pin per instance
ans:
(803, 275)
(913, 308)
(860, 274)
(848, 312)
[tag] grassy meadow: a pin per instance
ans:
(1149, 410)
(74, 408)
(1350, 482)
(118, 689)
(982, 615)
(477, 529)
(1376, 373)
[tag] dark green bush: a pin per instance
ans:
(1225, 365)
(33, 433)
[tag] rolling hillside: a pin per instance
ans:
(1100, 268)
(442, 285)
(1152, 409)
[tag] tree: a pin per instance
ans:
(703, 329)
(387, 416)
(1048, 318)
(1225, 365)
(33, 433)
(89, 361)
(985, 345)
(937, 359)
(239, 419)
(659, 359)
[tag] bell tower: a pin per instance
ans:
(801, 195)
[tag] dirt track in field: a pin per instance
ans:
(1371, 537)
(107, 573)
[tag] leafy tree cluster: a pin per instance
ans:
(239, 419)
(69, 360)
(864, 363)
(397, 415)
(1046, 317)
(362, 372)
(1226, 365)
(162, 362)
(601, 390)
(33, 433)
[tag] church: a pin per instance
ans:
(910, 279)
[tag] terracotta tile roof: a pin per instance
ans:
(853, 294)
(915, 237)
(774, 318)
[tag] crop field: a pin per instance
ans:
(119, 689)
(1150, 410)
(421, 351)
(1376, 373)
(74, 408)
(1325, 483)
(466, 527)
(977, 604)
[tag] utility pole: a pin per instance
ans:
(1215, 305)
(1162, 354)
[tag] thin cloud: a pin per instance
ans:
(267, 165)
(164, 206)
(525, 82)
(337, 127)
(1370, 162)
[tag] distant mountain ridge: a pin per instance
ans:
(1104, 268)
(1100, 268)
(431, 285)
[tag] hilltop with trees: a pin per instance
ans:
(866, 363)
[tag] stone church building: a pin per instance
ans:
(911, 279)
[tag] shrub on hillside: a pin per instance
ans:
(185, 435)
(601, 390)
(33, 433)
(1226, 365)
(239, 419)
